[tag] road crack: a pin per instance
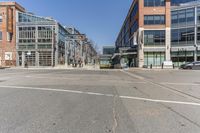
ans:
(115, 122)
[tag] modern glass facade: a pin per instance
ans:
(178, 2)
(108, 50)
(40, 41)
(25, 17)
(183, 17)
(185, 34)
(154, 58)
(154, 38)
(125, 37)
(160, 37)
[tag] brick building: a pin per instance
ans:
(145, 37)
(8, 32)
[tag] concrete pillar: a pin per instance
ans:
(37, 60)
(195, 37)
(141, 48)
(167, 44)
(23, 59)
(66, 52)
(17, 59)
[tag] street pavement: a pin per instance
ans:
(101, 101)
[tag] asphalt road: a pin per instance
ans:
(83, 101)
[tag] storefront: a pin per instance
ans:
(198, 55)
(154, 58)
(182, 57)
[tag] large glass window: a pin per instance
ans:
(154, 58)
(198, 35)
(0, 35)
(174, 18)
(198, 15)
(182, 17)
(174, 36)
(25, 17)
(178, 2)
(154, 38)
(190, 16)
(154, 19)
(1, 19)
(183, 36)
(134, 12)
(190, 35)
(152, 3)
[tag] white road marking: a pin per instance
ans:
(193, 84)
(78, 78)
(133, 75)
(172, 89)
(101, 94)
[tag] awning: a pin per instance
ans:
(122, 54)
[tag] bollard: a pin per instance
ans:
(162, 65)
(151, 66)
(173, 66)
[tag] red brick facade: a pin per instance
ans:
(8, 29)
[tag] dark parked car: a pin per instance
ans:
(192, 65)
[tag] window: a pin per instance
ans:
(174, 36)
(178, 2)
(198, 15)
(198, 34)
(154, 19)
(155, 38)
(134, 12)
(9, 36)
(1, 19)
(182, 17)
(190, 16)
(174, 18)
(183, 36)
(190, 35)
(152, 3)
(0, 35)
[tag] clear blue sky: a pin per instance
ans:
(101, 20)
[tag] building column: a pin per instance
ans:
(23, 59)
(17, 58)
(195, 37)
(66, 52)
(37, 60)
(141, 48)
(167, 44)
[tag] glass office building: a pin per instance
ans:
(40, 41)
(185, 33)
(178, 2)
(161, 31)
(142, 39)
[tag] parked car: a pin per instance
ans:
(191, 65)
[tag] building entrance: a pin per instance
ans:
(154, 58)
